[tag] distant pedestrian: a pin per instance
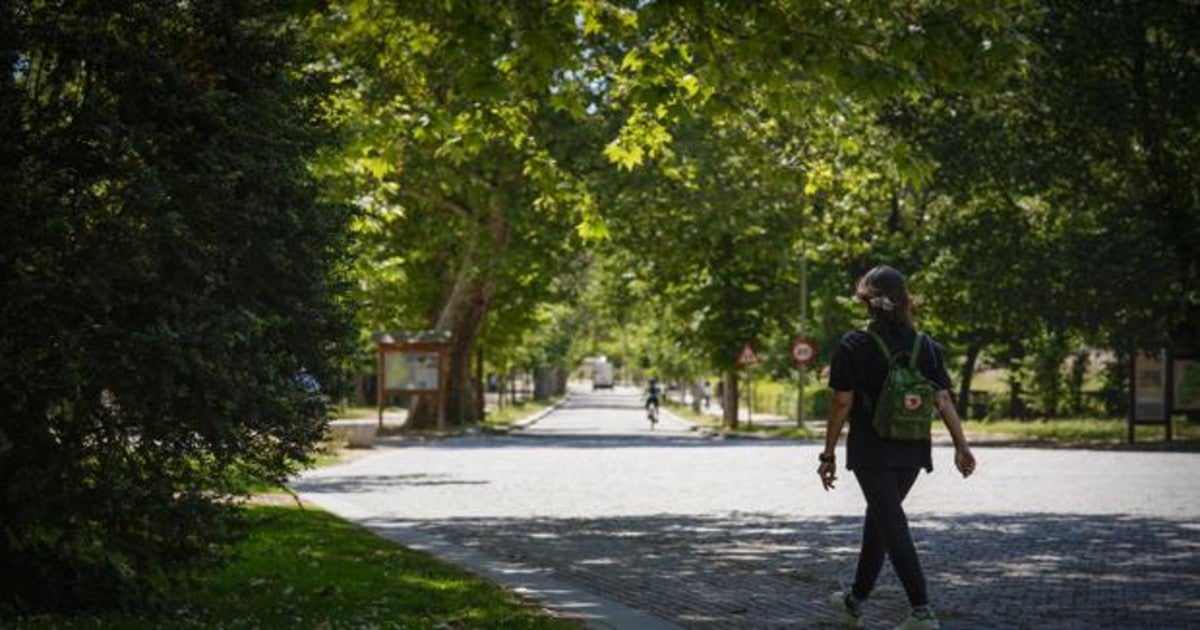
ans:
(706, 392)
(885, 468)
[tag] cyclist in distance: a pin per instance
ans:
(652, 393)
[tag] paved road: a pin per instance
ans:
(710, 533)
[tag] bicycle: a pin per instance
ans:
(652, 412)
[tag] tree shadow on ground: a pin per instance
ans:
(761, 571)
(371, 483)
(566, 438)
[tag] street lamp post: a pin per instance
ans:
(803, 316)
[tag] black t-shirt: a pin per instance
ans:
(859, 366)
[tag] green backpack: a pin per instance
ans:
(905, 407)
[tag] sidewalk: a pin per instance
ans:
(362, 432)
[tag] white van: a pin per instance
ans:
(602, 375)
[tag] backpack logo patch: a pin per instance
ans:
(913, 401)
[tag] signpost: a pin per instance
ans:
(803, 350)
(414, 363)
(746, 360)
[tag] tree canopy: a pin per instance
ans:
(492, 140)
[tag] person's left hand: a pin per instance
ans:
(964, 460)
(828, 473)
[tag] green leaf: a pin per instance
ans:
(625, 157)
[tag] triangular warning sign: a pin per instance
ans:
(747, 356)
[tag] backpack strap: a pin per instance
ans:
(916, 350)
(887, 352)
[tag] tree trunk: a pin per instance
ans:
(480, 402)
(968, 373)
(463, 315)
(1075, 386)
(1016, 406)
(894, 220)
(730, 403)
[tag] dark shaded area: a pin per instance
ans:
(370, 483)
(170, 280)
(575, 439)
(755, 570)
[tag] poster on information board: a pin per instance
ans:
(1150, 387)
(410, 370)
(1186, 391)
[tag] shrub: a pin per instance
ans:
(167, 272)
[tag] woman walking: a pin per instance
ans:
(885, 468)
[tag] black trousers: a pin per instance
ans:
(885, 532)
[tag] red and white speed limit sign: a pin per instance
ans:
(804, 351)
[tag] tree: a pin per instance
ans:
(168, 274)
(1117, 86)
(459, 114)
(1066, 206)
(711, 246)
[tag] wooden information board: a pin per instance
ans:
(414, 363)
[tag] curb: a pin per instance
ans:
(480, 429)
(528, 421)
(704, 432)
(720, 434)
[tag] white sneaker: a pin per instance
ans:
(847, 615)
(928, 621)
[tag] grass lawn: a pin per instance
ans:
(701, 419)
(787, 433)
(992, 381)
(714, 422)
(1063, 431)
(309, 569)
(1081, 430)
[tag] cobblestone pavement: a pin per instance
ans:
(737, 533)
